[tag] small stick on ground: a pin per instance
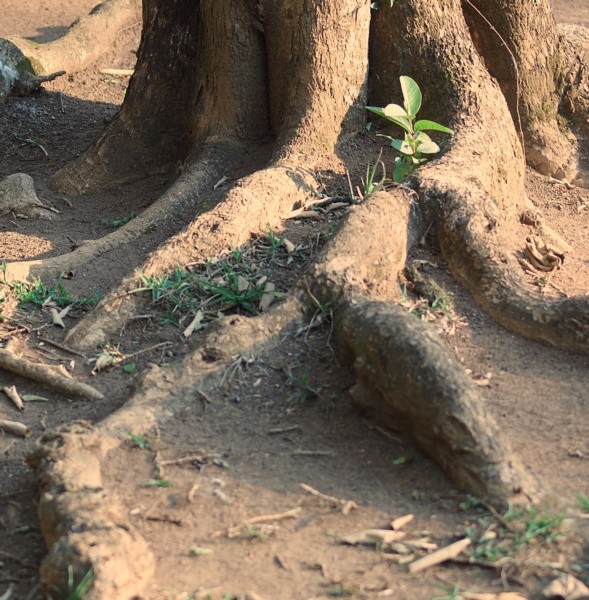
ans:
(284, 430)
(60, 346)
(160, 345)
(15, 427)
(440, 556)
(44, 374)
(345, 505)
(293, 513)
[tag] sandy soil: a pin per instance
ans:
(279, 420)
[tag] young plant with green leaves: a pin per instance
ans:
(416, 147)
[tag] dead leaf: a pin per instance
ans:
(57, 320)
(102, 362)
(288, 246)
(243, 284)
(268, 296)
(15, 427)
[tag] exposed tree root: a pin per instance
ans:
(255, 204)
(188, 191)
(490, 272)
(47, 375)
(87, 38)
(83, 526)
(404, 375)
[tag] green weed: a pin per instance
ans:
(212, 287)
(160, 483)
(139, 441)
(119, 222)
(497, 536)
(416, 147)
(76, 592)
(39, 294)
(302, 389)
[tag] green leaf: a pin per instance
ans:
(429, 147)
(411, 94)
(425, 125)
(394, 110)
(129, 367)
(402, 146)
(400, 120)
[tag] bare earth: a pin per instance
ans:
(274, 424)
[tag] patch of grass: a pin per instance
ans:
(497, 536)
(229, 284)
(40, 294)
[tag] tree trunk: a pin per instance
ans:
(292, 76)
(522, 49)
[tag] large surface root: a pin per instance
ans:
(82, 523)
(86, 40)
(405, 375)
(188, 191)
(254, 205)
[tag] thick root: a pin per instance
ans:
(255, 204)
(83, 526)
(185, 193)
(406, 376)
(475, 255)
(86, 39)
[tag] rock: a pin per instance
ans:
(18, 196)
(17, 75)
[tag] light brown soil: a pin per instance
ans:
(248, 467)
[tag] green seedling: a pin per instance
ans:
(76, 592)
(416, 147)
(302, 391)
(369, 185)
(341, 592)
(139, 441)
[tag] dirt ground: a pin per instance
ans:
(279, 420)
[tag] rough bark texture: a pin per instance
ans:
(294, 73)
(507, 34)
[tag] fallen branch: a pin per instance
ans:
(46, 375)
